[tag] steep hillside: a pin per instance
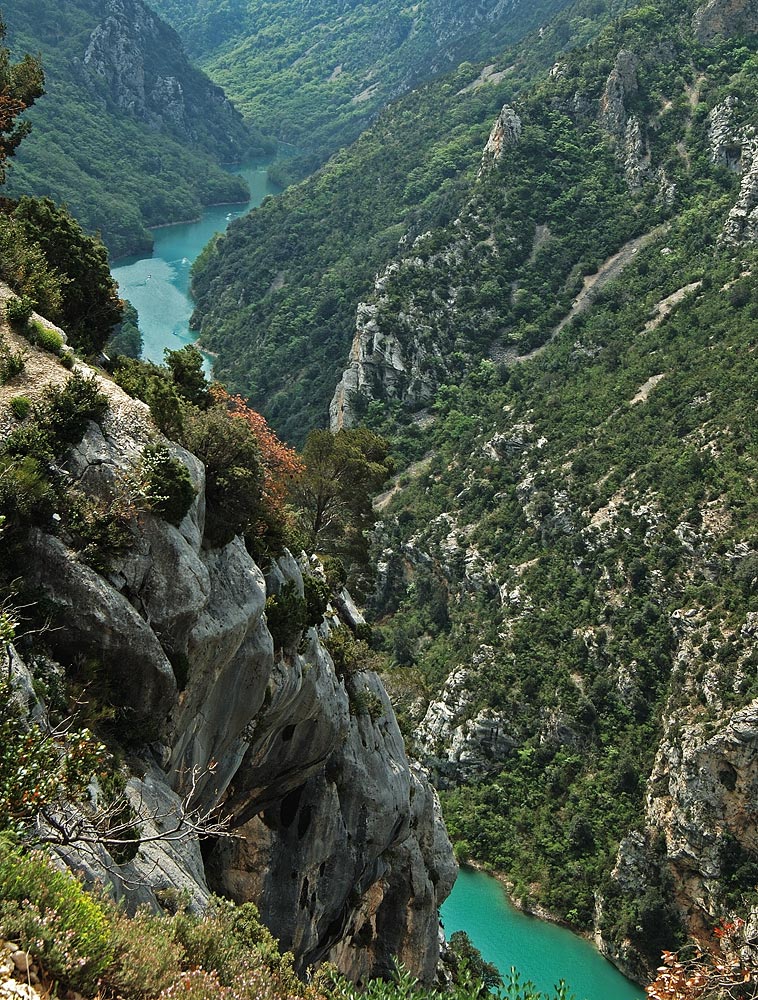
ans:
(567, 581)
(209, 682)
(129, 134)
(277, 296)
(316, 74)
(565, 334)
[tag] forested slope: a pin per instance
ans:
(314, 75)
(277, 296)
(574, 634)
(566, 582)
(129, 134)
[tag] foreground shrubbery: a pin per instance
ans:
(87, 943)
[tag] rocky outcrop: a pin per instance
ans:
(505, 132)
(337, 837)
(735, 145)
(382, 364)
(702, 795)
(457, 744)
(625, 128)
(135, 63)
(725, 19)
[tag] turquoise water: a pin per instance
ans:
(158, 286)
(540, 951)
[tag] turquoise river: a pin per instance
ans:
(158, 287)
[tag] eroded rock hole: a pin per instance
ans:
(290, 805)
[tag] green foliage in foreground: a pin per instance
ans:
(86, 943)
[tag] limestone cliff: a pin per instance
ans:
(337, 837)
(135, 62)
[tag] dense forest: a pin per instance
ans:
(314, 76)
(129, 134)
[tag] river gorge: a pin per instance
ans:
(158, 287)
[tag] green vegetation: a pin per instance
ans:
(314, 75)
(81, 130)
(169, 489)
(55, 268)
(277, 294)
(333, 492)
(557, 531)
(85, 943)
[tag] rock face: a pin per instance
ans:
(134, 62)
(725, 19)
(734, 145)
(505, 132)
(341, 842)
(381, 364)
(702, 793)
(623, 127)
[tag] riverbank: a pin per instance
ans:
(533, 909)
(544, 952)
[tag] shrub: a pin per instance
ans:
(26, 494)
(316, 599)
(148, 959)
(20, 406)
(233, 472)
(46, 338)
(169, 488)
(49, 913)
(68, 410)
(18, 312)
(12, 363)
(350, 655)
(286, 616)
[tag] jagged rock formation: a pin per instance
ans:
(625, 128)
(725, 18)
(341, 842)
(382, 365)
(505, 132)
(134, 62)
(734, 144)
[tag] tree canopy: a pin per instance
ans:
(21, 83)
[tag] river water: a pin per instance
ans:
(540, 951)
(158, 287)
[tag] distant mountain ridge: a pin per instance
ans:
(314, 75)
(130, 134)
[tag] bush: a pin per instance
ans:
(316, 599)
(49, 913)
(69, 409)
(45, 337)
(169, 488)
(12, 363)
(350, 655)
(20, 406)
(18, 312)
(233, 474)
(286, 616)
